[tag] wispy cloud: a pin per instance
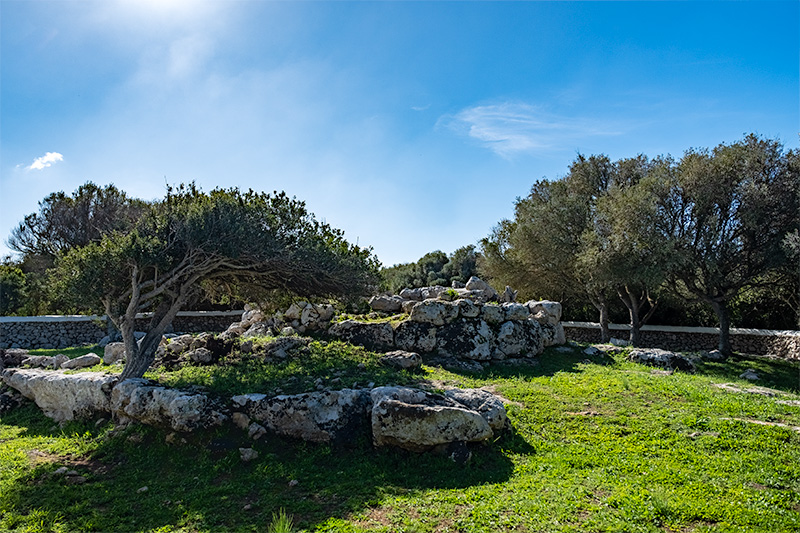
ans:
(513, 127)
(45, 161)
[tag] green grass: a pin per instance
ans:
(72, 353)
(597, 445)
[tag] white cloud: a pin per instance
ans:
(45, 161)
(513, 127)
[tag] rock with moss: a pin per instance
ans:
(325, 416)
(136, 399)
(373, 335)
(470, 339)
(420, 421)
(415, 336)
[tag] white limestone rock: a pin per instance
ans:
(63, 396)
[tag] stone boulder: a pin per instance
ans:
(470, 339)
(486, 404)
(316, 316)
(553, 335)
(415, 336)
(251, 315)
(509, 295)
(295, 311)
(419, 421)
(9, 400)
(519, 338)
(84, 361)
(545, 311)
(259, 329)
(467, 308)
(326, 416)
(387, 304)
(493, 314)
(476, 284)
(282, 347)
(63, 396)
(515, 311)
(401, 360)
(373, 335)
(114, 352)
(45, 361)
(12, 357)
(661, 358)
(137, 399)
(434, 312)
(201, 356)
(411, 294)
(433, 292)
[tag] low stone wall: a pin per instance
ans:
(63, 331)
(784, 344)
(463, 329)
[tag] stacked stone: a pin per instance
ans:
(50, 334)
(463, 329)
(783, 344)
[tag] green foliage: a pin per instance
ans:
(707, 227)
(64, 222)
(281, 522)
(12, 289)
(222, 242)
(727, 215)
(434, 268)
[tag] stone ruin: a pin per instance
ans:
(462, 323)
(457, 323)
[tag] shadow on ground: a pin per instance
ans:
(202, 484)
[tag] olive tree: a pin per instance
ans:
(623, 247)
(221, 240)
(726, 216)
(65, 221)
(538, 251)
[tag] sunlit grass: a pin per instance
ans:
(598, 444)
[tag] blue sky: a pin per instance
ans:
(412, 126)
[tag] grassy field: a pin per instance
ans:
(598, 444)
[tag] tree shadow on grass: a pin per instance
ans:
(774, 373)
(202, 484)
(549, 363)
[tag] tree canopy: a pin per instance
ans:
(434, 268)
(64, 222)
(222, 241)
(706, 227)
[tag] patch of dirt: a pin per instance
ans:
(584, 413)
(38, 457)
(763, 423)
(762, 391)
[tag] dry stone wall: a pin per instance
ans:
(463, 329)
(784, 344)
(77, 330)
